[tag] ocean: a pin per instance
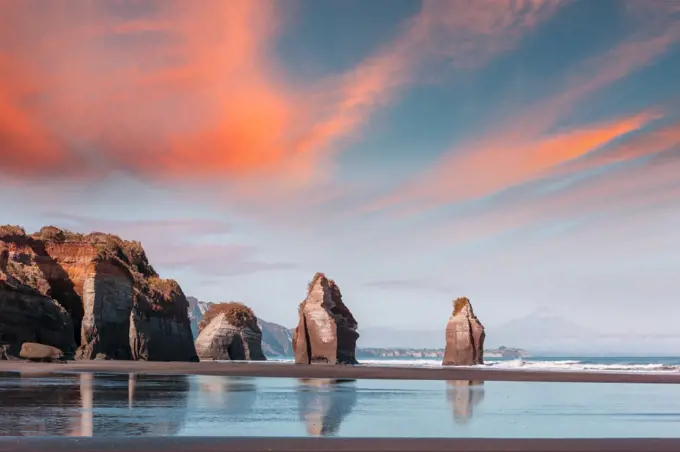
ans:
(577, 363)
(100, 404)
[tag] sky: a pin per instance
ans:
(525, 154)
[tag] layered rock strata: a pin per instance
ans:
(118, 305)
(229, 331)
(326, 330)
(27, 311)
(464, 336)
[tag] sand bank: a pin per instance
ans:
(288, 370)
(172, 444)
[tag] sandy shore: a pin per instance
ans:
(289, 370)
(172, 444)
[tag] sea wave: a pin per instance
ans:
(573, 365)
(557, 365)
(537, 365)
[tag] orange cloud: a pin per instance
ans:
(171, 90)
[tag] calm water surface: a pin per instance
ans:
(138, 405)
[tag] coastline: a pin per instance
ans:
(212, 444)
(289, 370)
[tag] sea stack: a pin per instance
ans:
(464, 336)
(229, 331)
(95, 292)
(326, 330)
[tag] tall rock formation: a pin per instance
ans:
(229, 331)
(326, 330)
(119, 307)
(464, 336)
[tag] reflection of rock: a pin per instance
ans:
(231, 395)
(157, 404)
(464, 336)
(79, 405)
(33, 404)
(463, 396)
(324, 403)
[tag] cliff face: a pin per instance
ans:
(229, 331)
(160, 329)
(464, 336)
(118, 305)
(27, 312)
(326, 330)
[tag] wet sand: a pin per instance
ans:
(210, 444)
(289, 370)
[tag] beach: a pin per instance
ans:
(288, 370)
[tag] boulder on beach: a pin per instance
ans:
(326, 330)
(464, 336)
(229, 331)
(40, 352)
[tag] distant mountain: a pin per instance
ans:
(277, 340)
(542, 330)
(196, 310)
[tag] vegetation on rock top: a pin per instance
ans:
(459, 303)
(9, 230)
(237, 314)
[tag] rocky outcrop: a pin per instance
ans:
(119, 307)
(27, 311)
(326, 330)
(159, 324)
(464, 336)
(229, 331)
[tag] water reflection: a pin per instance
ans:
(231, 395)
(463, 396)
(92, 404)
(324, 403)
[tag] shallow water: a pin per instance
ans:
(141, 405)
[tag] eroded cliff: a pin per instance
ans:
(27, 311)
(118, 305)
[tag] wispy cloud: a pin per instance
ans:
(182, 244)
(171, 90)
(525, 146)
(412, 285)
